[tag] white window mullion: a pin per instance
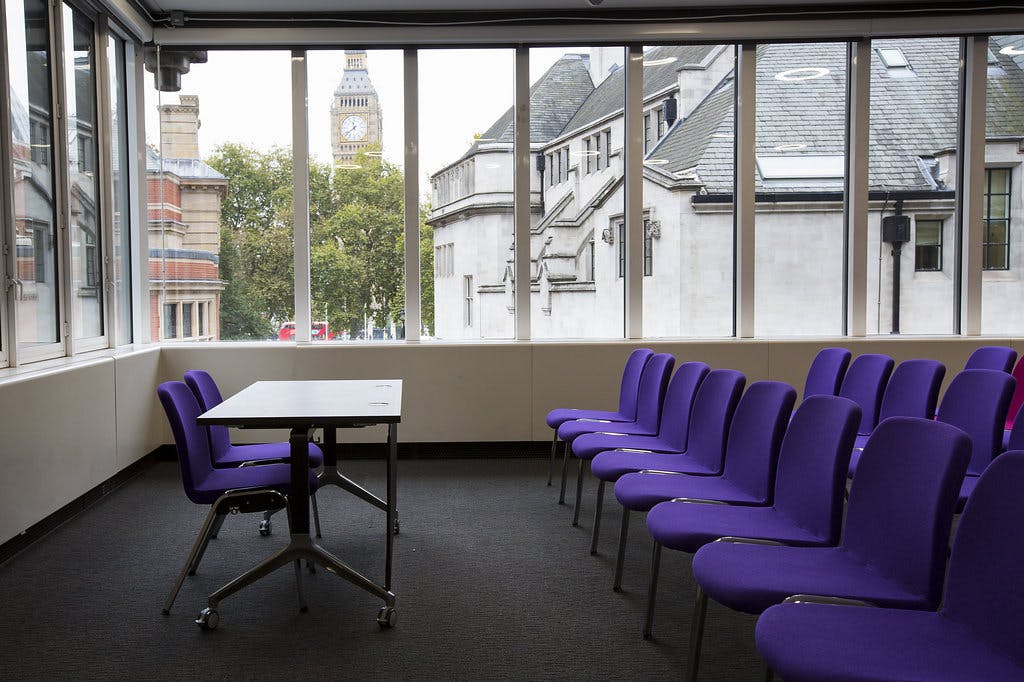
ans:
(521, 191)
(972, 182)
(746, 69)
(633, 142)
(105, 168)
(413, 319)
(7, 237)
(135, 168)
(858, 110)
(62, 176)
(300, 216)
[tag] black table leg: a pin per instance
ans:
(392, 499)
(298, 494)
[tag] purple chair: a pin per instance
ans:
(864, 384)
(976, 635)
(628, 389)
(825, 375)
(226, 455)
(755, 436)
(240, 489)
(1016, 402)
(672, 434)
(912, 391)
(975, 402)
(999, 358)
(893, 551)
(807, 508)
(650, 397)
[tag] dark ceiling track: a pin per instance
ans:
(586, 14)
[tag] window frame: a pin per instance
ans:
(941, 223)
(988, 220)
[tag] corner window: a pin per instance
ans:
(928, 246)
(997, 219)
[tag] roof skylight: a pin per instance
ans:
(784, 169)
(893, 58)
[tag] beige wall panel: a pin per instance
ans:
(450, 392)
(58, 441)
(141, 424)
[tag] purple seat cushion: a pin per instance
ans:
(611, 464)
(819, 642)
(276, 476)
(688, 526)
(640, 492)
(569, 431)
(589, 444)
(751, 578)
(237, 454)
(558, 417)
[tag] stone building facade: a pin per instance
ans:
(356, 116)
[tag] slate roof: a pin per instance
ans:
(610, 94)
(355, 81)
(1006, 88)
(186, 169)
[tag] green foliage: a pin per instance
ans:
(356, 243)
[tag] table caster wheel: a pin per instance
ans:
(387, 617)
(265, 527)
(396, 528)
(208, 619)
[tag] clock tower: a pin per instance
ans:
(356, 117)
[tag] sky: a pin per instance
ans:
(245, 96)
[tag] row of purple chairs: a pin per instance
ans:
(755, 424)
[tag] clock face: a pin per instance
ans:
(353, 128)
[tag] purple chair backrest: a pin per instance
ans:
(755, 436)
(999, 358)
(825, 375)
(1017, 401)
(630, 386)
(191, 441)
(811, 477)
(976, 403)
(675, 414)
(864, 384)
(651, 395)
(983, 588)
(913, 390)
(902, 501)
(208, 395)
(1016, 441)
(713, 408)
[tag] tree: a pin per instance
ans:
(356, 243)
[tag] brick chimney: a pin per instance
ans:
(179, 128)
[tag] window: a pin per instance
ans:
(649, 135)
(997, 219)
(892, 57)
(121, 197)
(620, 230)
(588, 153)
(170, 320)
(186, 320)
(467, 283)
(558, 164)
(620, 237)
(659, 129)
(928, 245)
(201, 317)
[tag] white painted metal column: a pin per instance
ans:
(746, 64)
(971, 183)
(521, 191)
(300, 214)
(857, 151)
(413, 315)
(633, 142)
(8, 241)
(135, 75)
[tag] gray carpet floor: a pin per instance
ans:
(492, 583)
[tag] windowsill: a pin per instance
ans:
(44, 367)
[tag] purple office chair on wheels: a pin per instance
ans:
(893, 549)
(628, 389)
(225, 455)
(999, 358)
(825, 375)
(976, 635)
(227, 491)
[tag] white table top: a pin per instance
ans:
(291, 404)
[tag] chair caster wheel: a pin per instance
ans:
(387, 617)
(396, 528)
(265, 527)
(208, 619)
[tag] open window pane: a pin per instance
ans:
(577, 99)
(121, 182)
(466, 169)
(800, 150)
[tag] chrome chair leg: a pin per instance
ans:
(597, 516)
(653, 589)
(193, 557)
(700, 610)
(621, 558)
(579, 493)
(565, 471)
(551, 461)
(218, 522)
(217, 525)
